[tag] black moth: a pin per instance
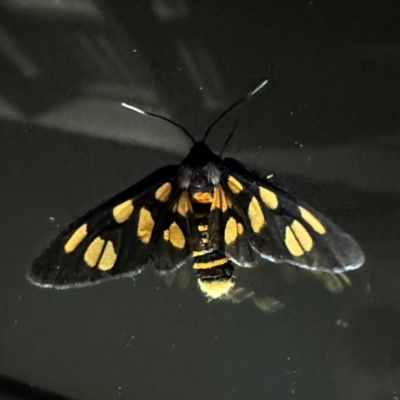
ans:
(208, 212)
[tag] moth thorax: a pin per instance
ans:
(204, 178)
(215, 288)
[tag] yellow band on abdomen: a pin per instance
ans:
(210, 264)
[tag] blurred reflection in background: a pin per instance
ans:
(69, 64)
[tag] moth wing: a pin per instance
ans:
(283, 229)
(114, 240)
(227, 229)
(177, 234)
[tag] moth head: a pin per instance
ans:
(200, 155)
(215, 288)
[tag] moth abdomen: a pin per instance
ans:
(214, 274)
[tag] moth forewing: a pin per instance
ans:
(285, 229)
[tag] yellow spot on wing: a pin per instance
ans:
(256, 216)
(230, 231)
(226, 203)
(145, 225)
(234, 185)
(163, 192)
(269, 198)
(176, 236)
(315, 224)
(297, 239)
(210, 264)
(93, 252)
(203, 197)
(215, 288)
(76, 238)
(292, 244)
(123, 211)
(108, 257)
(216, 199)
(302, 235)
(183, 205)
(220, 200)
(166, 235)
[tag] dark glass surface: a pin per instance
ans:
(327, 127)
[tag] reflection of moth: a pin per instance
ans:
(209, 212)
(267, 297)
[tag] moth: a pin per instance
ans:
(210, 213)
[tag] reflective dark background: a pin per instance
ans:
(327, 126)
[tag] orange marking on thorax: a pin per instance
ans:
(203, 197)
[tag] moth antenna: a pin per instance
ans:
(234, 105)
(228, 139)
(139, 111)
